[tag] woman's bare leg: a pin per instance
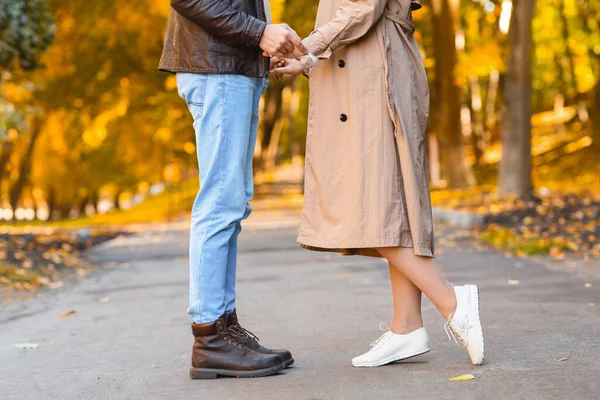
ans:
(424, 273)
(407, 303)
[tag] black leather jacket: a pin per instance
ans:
(215, 36)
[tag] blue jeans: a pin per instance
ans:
(225, 112)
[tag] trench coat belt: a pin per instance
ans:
(405, 23)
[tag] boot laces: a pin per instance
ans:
(242, 334)
(384, 327)
(229, 338)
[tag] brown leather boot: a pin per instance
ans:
(250, 340)
(217, 353)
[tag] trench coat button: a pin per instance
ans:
(341, 63)
(343, 117)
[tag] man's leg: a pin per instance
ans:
(222, 107)
(249, 340)
(260, 86)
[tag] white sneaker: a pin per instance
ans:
(392, 347)
(465, 324)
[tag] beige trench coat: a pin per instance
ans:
(366, 182)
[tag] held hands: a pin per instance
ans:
(284, 46)
(281, 41)
(289, 66)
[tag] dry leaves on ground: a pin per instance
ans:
(30, 262)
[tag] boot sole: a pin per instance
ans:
(209, 373)
(289, 362)
(393, 358)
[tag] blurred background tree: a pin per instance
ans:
(94, 126)
(26, 30)
(515, 165)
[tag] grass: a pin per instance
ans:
(172, 203)
(506, 239)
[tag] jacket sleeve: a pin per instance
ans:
(353, 19)
(220, 18)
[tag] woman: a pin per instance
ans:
(366, 190)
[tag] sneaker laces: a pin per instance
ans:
(385, 328)
(458, 329)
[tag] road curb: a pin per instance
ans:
(460, 219)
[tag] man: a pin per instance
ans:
(216, 49)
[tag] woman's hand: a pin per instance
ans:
(290, 67)
(276, 63)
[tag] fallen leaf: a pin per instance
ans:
(587, 285)
(104, 300)
(81, 272)
(56, 285)
(514, 282)
(42, 280)
(68, 313)
(27, 346)
(591, 304)
(466, 377)
(348, 276)
(562, 359)
(557, 253)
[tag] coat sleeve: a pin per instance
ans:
(220, 18)
(353, 19)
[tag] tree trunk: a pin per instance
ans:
(51, 203)
(587, 9)
(562, 83)
(116, 201)
(515, 165)
(476, 119)
(568, 53)
(490, 119)
(595, 116)
(83, 205)
(24, 167)
(95, 199)
(454, 165)
(270, 155)
(272, 113)
(65, 209)
(4, 159)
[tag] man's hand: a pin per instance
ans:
(281, 41)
